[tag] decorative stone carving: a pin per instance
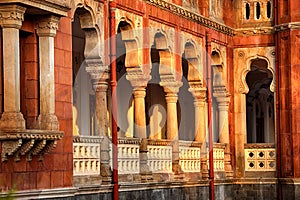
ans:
(192, 16)
(28, 143)
(47, 26)
(11, 16)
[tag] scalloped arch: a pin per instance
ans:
(247, 68)
(90, 6)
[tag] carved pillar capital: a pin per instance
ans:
(99, 74)
(199, 92)
(11, 16)
(136, 77)
(47, 26)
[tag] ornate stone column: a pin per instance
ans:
(100, 76)
(11, 17)
(199, 94)
(171, 89)
(139, 82)
(46, 30)
(222, 98)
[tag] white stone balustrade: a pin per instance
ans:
(189, 156)
(218, 152)
(86, 155)
(160, 156)
(128, 155)
(260, 157)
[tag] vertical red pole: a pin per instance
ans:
(113, 63)
(209, 106)
(277, 71)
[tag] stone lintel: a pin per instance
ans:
(11, 16)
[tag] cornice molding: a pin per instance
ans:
(287, 26)
(58, 7)
(254, 31)
(178, 10)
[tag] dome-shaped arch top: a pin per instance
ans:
(243, 60)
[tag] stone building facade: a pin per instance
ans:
(103, 99)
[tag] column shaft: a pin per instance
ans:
(46, 30)
(11, 18)
(139, 113)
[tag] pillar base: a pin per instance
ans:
(146, 177)
(12, 120)
(48, 122)
(227, 162)
(204, 168)
(105, 172)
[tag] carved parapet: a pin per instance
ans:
(28, 143)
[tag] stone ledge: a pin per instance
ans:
(28, 143)
(59, 7)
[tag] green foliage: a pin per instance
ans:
(9, 195)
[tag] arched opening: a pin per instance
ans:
(124, 88)
(83, 94)
(269, 10)
(156, 106)
(257, 10)
(186, 108)
(247, 8)
(217, 69)
(260, 104)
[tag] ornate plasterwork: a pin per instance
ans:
(28, 143)
(242, 63)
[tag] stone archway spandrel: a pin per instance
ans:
(242, 65)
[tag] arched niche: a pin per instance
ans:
(266, 54)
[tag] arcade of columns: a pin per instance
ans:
(170, 46)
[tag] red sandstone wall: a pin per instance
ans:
(56, 170)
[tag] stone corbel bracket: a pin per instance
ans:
(17, 143)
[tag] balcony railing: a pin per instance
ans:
(218, 153)
(160, 156)
(260, 157)
(189, 156)
(86, 155)
(128, 155)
